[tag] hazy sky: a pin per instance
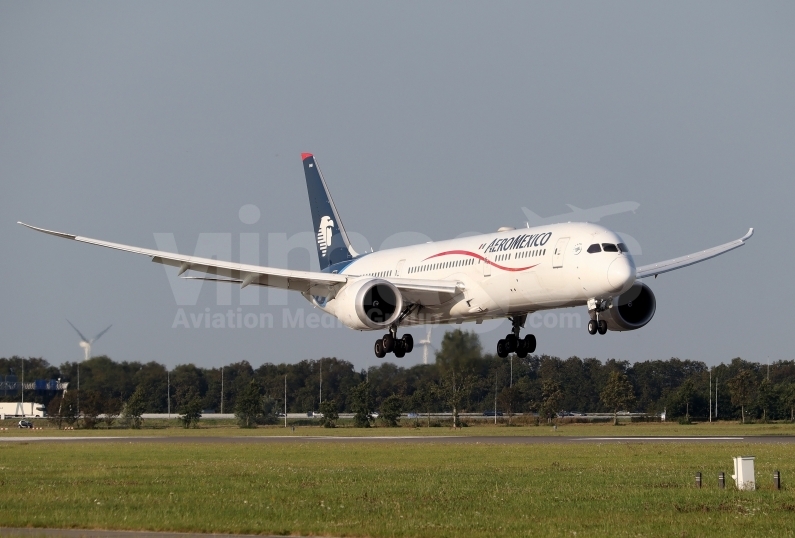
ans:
(120, 121)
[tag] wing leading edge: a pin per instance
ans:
(659, 268)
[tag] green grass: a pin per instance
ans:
(476, 428)
(428, 489)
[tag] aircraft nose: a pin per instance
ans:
(621, 274)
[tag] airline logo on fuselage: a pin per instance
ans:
(517, 242)
(324, 233)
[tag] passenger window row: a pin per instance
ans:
(440, 265)
(380, 274)
(530, 253)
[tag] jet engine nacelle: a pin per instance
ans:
(632, 309)
(368, 304)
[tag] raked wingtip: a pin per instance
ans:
(51, 232)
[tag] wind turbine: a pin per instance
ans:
(85, 343)
(425, 345)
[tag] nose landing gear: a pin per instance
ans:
(512, 343)
(596, 325)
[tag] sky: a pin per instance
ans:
(169, 123)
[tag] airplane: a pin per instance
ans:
(593, 214)
(508, 274)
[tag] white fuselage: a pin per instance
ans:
(507, 273)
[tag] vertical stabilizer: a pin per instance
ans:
(333, 245)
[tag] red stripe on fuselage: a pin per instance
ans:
(479, 257)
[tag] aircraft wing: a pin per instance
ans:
(425, 292)
(659, 268)
(302, 281)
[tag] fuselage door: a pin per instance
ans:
(399, 267)
(560, 249)
(486, 266)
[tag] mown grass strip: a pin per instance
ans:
(428, 489)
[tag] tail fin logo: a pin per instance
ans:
(324, 234)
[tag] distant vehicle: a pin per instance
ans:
(413, 415)
(492, 413)
(374, 414)
(25, 424)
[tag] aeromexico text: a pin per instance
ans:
(519, 241)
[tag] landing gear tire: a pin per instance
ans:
(400, 349)
(521, 349)
(602, 327)
(502, 348)
(512, 342)
(529, 344)
(592, 327)
(389, 343)
(379, 348)
(408, 342)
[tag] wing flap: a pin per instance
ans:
(427, 292)
(659, 268)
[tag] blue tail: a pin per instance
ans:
(333, 245)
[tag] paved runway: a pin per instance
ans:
(529, 440)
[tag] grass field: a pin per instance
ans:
(480, 428)
(391, 489)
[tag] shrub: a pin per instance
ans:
(191, 409)
(362, 405)
(134, 407)
(390, 410)
(249, 406)
(330, 415)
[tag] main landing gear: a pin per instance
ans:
(512, 343)
(390, 343)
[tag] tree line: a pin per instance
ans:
(463, 378)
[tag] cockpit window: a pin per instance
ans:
(609, 247)
(622, 247)
(594, 248)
